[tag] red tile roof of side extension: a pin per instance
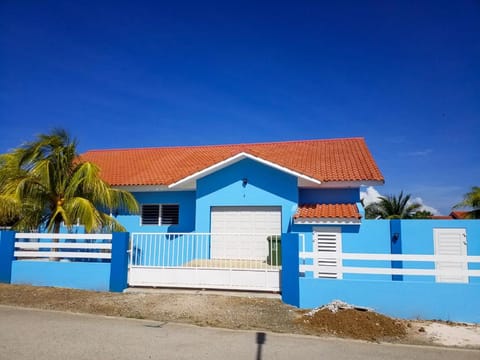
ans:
(324, 160)
(320, 211)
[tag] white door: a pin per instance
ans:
(328, 241)
(246, 229)
(451, 242)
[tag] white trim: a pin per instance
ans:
(61, 254)
(391, 271)
(63, 236)
(240, 156)
(391, 257)
(41, 245)
(327, 221)
(313, 256)
(342, 184)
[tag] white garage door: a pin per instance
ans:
(247, 229)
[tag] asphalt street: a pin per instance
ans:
(41, 335)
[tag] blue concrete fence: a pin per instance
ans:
(81, 261)
(390, 266)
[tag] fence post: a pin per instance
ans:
(119, 262)
(396, 245)
(290, 269)
(7, 248)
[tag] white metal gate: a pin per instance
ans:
(186, 260)
(328, 241)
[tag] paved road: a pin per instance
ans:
(45, 335)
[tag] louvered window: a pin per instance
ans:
(154, 214)
(327, 241)
(169, 214)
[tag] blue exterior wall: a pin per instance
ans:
(7, 247)
(75, 275)
(266, 186)
(290, 269)
(119, 262)
(185, 200)
(405, 296)
(411, 300)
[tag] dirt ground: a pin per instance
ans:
(240, 311)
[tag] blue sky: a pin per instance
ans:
(403, 74)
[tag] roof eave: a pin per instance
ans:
(341, 184)
(327, 221)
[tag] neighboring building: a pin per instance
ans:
(454, 215)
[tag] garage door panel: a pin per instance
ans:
(246, 230)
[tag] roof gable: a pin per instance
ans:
(324, 161)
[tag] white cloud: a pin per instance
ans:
(371, 195)
(425, 207)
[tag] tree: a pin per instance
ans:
(45, 183)
(471, 200)
(423, 214)
(392, 207)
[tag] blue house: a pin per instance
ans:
(212, 188)
(225, 206)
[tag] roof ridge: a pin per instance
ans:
(228, 145)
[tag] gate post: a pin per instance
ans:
(119, 261)
(290, 269)
(7, 248)
(396, 245)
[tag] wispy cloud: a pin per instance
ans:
(420, 153)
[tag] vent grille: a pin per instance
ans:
(327, 242)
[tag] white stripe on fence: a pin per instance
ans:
(314, 258)
(79, 246)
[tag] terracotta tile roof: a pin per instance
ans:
(322, 211)
(454, 215)
(324, 160)
(459, 214)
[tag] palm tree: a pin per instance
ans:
(471, 200)
(392, 207)
(45, 183)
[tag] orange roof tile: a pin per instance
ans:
(322, 211)
(459, 214)
(323, 160)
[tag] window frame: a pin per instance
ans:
(160, 214)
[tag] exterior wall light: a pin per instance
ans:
(244, 182)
